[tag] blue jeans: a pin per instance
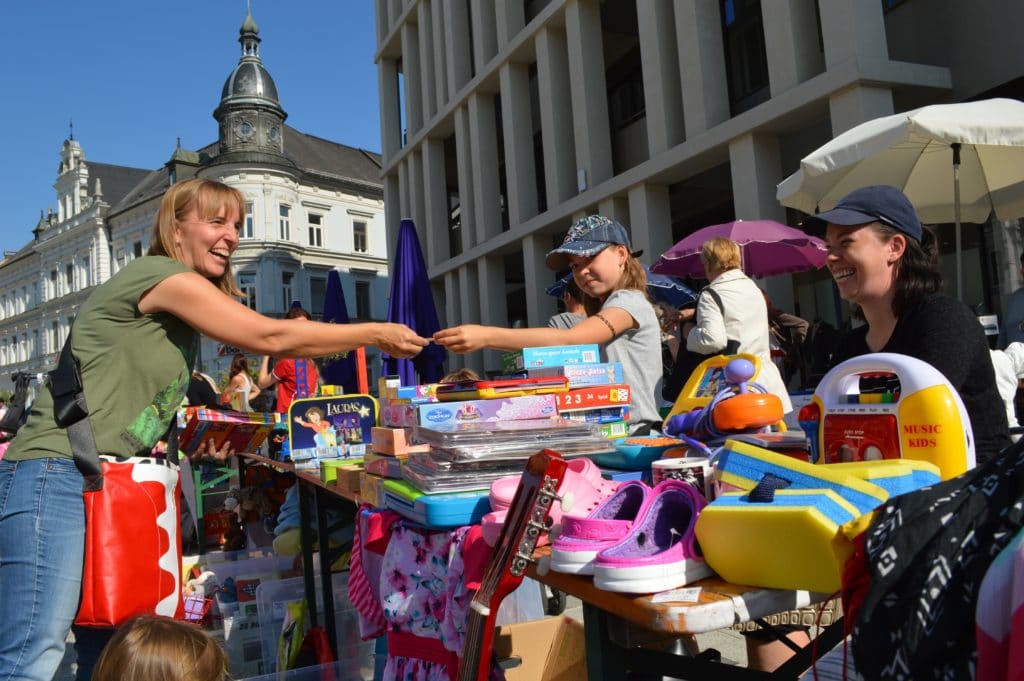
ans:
(42, 544)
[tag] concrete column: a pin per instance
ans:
(485, 32)
(650, 220)
(701, 65)
(555, 115)
(616, 208)
(435, 202)
(853, 29)
(510, 19)
(662, 83)
(539, 305)
(517, 129)
(453, 313)
(383, 20)
(469, 311)
(392, 212)
(588, 92)
(492, 300)
(390, 120)
(484, 152)
(405, 200)
(464, 157)
(437, 24)
(756, 168)
(427, 81)
(417, 210)
(413, 88)
(857, 104)
(456, 36)
(791, 43)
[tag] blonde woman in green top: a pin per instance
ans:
(135, 339)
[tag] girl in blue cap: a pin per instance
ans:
(620, 318)
(887, 266)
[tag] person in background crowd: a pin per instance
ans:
(240, 388)
(135, 339)
(151, 648)
(737, 315)
(886, 264)
(1012, 330)
(294, 377)
(789, 332)
(572, 299)
(202, 392)
(619, 316)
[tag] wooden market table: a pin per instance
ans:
(311, 488)
(616, 624)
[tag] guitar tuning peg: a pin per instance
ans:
(543, 566)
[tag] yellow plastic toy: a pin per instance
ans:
(888, 406)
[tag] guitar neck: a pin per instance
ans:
(524, 522)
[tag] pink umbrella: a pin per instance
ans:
(767, 248)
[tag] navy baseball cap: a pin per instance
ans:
(877, 203)
(587, 237)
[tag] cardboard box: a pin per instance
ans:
(384, 465)
(593, 397)
(583, 375)
(393, 441)
(371, 489)
(551, 356)
(551, 649)
(504, 409)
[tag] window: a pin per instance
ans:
(23, 302)
(626, 102)
(287, 282)
(247, 285)
(285, 223)
(86, 273)
(317, 293)
(359, 243)
(53, 283)
(3, 305)
(137, 250)
(33, 348)
(316, 230)
(746, 61)
(247, 229)
(55, 337)
(35, 293)
(363, 300)
(69, 278)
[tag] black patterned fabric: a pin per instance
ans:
(926, 554)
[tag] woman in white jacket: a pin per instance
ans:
(742, 315)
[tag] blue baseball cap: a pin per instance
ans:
(877, 203)
(587, 237)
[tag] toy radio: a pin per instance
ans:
(888, 406)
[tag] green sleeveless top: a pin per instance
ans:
(135, 369)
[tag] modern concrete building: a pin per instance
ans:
(312, 205)
(502, 121)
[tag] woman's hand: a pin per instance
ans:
(398, 340)
(463, 339)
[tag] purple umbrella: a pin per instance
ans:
(337, 369)
(411, 303)
(767, 248)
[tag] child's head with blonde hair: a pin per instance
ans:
(160, 649)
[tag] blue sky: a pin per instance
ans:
(134, 75)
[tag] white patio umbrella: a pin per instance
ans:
(953, 161)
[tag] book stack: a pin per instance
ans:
(244, 431)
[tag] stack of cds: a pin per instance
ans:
(470, 456)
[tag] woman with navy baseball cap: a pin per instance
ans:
(886, 265)
(620, 318)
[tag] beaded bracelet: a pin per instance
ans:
(608, 324)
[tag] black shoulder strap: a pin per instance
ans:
(715, 297)
(71, 413)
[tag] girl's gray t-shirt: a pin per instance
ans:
(639, 352)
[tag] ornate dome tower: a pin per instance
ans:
(250, 115)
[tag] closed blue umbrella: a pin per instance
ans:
(660, 287)
(337, 370)
(412, 303)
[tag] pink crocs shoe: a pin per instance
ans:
(581, 538)
(581, 491)
(660, 551)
